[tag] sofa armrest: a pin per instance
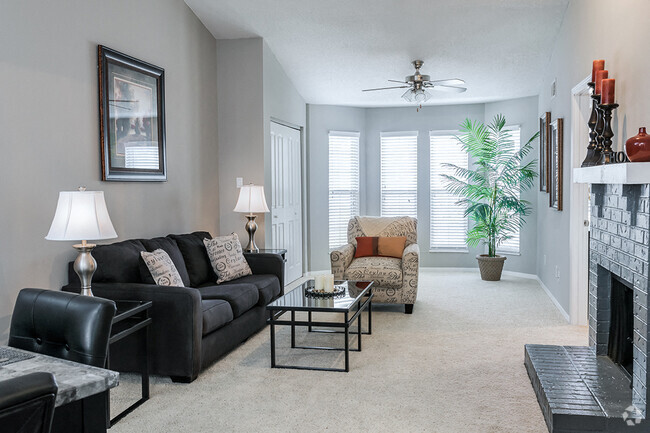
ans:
(410, 271)
(267, 263)
(340, 259)
(176, 328)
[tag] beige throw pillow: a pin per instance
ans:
(227, 258)
(162, 268)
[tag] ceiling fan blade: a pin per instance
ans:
(385, 88)
(448, 82)
(398, 81)
(443, 88)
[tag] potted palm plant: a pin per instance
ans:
(490, 191)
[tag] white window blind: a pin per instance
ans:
(399, 173)
(343, 184)
(512, 245)
(448, 224)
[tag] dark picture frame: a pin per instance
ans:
(544, 135)
(555, 163)
(131, 118)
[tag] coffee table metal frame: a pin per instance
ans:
(363, 302)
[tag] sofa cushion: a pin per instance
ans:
(118, 262)
(227, 257)
(161, 268)
(267, 285)
(170, 246)
(384, 271)
(216, 313)
(196, 257)
(241, 296)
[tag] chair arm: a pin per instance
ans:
(176, 328)
(410, 270)
(267, 263)
(340, 259)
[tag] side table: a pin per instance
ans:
(131, 317)
(282, 252)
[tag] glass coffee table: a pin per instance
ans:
(356, 297)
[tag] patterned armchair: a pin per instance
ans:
(396, 280)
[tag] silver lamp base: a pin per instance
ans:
(251, 228)
(85, 266)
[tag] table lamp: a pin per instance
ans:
(82, 215)
(251, 199)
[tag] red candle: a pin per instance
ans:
(608, 91)
(600, 75)
(599, 65)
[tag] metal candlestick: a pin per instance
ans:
(591, 158)
(600, 127)
(607, 156)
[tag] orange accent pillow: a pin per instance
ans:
(366, 246)
(391, 246)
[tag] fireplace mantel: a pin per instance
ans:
(627, 173)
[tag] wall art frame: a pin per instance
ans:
(131, 118)
(556, 157)
(544, 151)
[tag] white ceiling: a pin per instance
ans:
(332, 49)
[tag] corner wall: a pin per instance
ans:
(49, 121)
(370, 122)
(579, 41)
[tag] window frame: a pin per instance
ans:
(389, 134)
(442, 249)
(342, 134)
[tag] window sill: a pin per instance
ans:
(509, 253)
(449, 250)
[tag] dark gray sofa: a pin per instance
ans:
(194, 325)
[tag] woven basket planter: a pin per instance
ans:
(490, 267)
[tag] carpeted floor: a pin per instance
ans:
(455, 365)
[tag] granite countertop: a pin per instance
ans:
(76, 381)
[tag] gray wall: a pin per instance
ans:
(253, 89)
(623, 46)
(371, 122)
(241, 128)
(321, 120)
(49, 122)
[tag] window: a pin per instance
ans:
(343, 184)
(448, 222)
(512, 245)
(399, 173)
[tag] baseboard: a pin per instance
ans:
(554, 300)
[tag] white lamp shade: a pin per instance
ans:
(81, 215)
(251, 199)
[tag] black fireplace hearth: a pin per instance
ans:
(621, 325)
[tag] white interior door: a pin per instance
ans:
(286, 206)
(579, 218)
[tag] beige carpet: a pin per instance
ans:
(455, 365)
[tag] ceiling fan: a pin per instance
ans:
(418, 84)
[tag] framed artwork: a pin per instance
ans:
(131, 118)
(544, 171)
(555, 163)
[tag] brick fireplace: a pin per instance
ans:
(603, 387)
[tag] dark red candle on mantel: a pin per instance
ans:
(599, 65)
(600, 76)
(607, 88)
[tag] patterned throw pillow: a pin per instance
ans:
(162, 268)
(226, 256)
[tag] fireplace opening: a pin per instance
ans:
(621, 326)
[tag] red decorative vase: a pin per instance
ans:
(638, 147)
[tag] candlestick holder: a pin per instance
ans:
(591, 158)
(600, 127)
(607, 156)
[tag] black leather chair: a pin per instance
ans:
(63, 325)
(27, 403)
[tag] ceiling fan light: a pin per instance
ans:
(408, 95)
